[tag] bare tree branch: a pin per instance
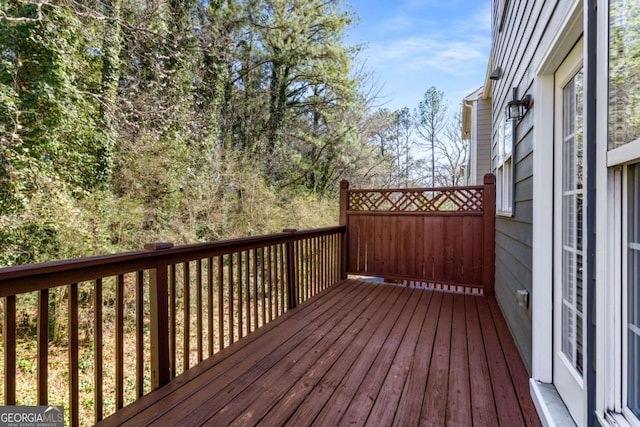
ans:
(38, 17)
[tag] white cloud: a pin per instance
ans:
(411, 54)
(421, 40)
(422, 43)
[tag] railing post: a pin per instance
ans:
(292, 279)
(159, 324)
(344, 205)
(489, 235)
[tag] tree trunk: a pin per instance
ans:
(111, 46)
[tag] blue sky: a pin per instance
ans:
(411, 45)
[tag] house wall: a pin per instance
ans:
(483, 139)
(479, 156)
(519, 42)
(470, 167)
(473, 145)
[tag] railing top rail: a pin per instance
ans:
(32, 277)
(416, 189)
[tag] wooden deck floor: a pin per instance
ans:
(359, 353)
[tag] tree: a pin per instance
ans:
(48, 120)
(110, 77)
(148, 116)
(431, 120)
(452, 154)
(402, 144)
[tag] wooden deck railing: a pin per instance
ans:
(186, 303)
(436, 237)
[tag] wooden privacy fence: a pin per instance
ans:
(179, 305)
(438, 237)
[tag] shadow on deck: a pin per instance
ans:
(358, 353)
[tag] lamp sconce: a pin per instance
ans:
(496, 74)
(517, 108)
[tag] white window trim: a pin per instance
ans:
(504, 185)
(607, 220)
(624, 154)
(613, 419)
(622, 371)
(504, 168)
(611, 225)
(566, 33)
(611, 393)
(542, 239)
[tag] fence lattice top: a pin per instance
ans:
(464, 199)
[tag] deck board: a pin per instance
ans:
(385, 406)
(257, 398)
(329, 369)
(516, 367)
(359, 353)
(434, 403)
(366, 395)
(483, 405)
(234, 383)
(458, 391)
(410, 404)
(257, 345)
(341, 398)
(507, 404)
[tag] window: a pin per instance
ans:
(504, 167)
(573, 222)
(632, 321)
(624, 146)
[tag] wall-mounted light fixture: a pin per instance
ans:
(496, 74)
(516, 108)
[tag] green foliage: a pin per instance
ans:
(123, 122)
(290, 87)
(624, 71)
(27, 242)
(49, 122)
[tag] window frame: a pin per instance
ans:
(629, 415)
(504, 167)
(612, 266)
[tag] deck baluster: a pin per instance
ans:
(74, 401)
(120, 341)
(199, 308)
(43, 347)
(139, 334)
(210, 305)
(97, 360)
